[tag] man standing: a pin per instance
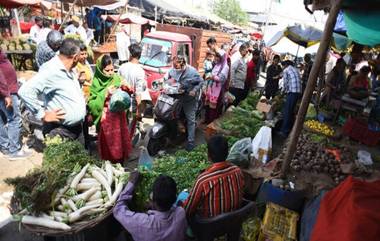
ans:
(76, 29)
(34, 33)
(306, 71)
(238, 75)
(10, 142)
(122, 43)
(219, 189)
(191, 82)
(65, 106)
(133, 76)
(164, 222)
(47, 49)
(293, 89)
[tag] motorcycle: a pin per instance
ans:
(168, 117)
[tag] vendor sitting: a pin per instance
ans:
(358, 88)
(219, 189)
(164, 222)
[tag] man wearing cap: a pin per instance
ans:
(76, 28)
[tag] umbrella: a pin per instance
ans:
(90, 3)
(285, 46)
(302, 35)
(307, 36)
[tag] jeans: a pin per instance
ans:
(190, 106)
(288, 112)
(10, 131)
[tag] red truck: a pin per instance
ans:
(159, 48)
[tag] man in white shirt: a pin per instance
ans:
(133, 76)
(35, 29)
(46, 23)
(122, 43)
(76, 28)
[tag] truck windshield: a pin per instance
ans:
(155, 52)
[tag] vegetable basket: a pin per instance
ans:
(75, 228)
(335, 136)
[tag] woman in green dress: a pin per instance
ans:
(113, 135)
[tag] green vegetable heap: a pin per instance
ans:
(183, 167)
(245, 120)
(36, 190)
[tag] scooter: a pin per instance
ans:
(166, 130)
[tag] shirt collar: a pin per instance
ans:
(161, 215)
(217, 166)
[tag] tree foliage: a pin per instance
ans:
(230, 10)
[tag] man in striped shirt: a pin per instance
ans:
(219, 189)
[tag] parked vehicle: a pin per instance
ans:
(159, 48)
(169, 116)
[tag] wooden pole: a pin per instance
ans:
(68, 15)
(321, 56)
(118, 20)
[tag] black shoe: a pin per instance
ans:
(189, 146)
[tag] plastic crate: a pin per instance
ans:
(279, 223)
(358, 130)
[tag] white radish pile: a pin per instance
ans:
(87, 193)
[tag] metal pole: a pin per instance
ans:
(321, 56)
(268, 16)
(17, 21)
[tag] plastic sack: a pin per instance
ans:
(262, 144)
(311, 112)
(364, 157)
(167, 107)
(120, 101)
(240, 152)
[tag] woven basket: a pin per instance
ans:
(75, 228)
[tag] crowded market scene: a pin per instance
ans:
(189, 120)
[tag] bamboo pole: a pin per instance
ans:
(68, 14)
(118, 20)
(321, 56)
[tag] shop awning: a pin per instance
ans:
(20, 3)
(90, 3)
(128, 19)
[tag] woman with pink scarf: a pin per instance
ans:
(215, 87)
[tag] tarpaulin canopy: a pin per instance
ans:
(112, 6)
(285, 46)
(128, 19)
(163, 7)
(363, 27)
(90, 3)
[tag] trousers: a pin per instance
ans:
(11, 129)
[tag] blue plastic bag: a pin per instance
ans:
(120, 101)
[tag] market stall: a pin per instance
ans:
(70, 193)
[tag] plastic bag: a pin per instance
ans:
(262, 144)
(240, 152)
(145, 159)
(364, 158)
(311, 112)
(120, 101)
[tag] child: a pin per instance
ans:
(208, 64)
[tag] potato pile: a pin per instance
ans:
(313, 157)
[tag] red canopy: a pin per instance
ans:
(20, 3)
(128, 19)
